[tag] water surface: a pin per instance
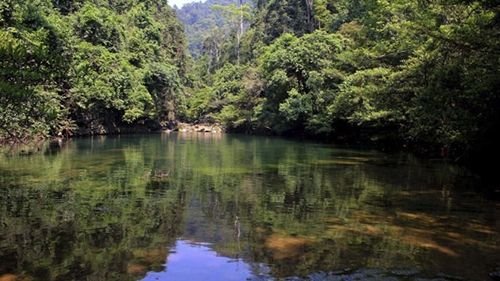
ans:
(203, 206)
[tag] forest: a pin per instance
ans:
(419, 75)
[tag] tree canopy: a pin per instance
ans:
(415, 74)
(92, 65)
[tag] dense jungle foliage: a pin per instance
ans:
(419, 74)
(89, 65)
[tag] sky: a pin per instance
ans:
(179, 3)
(197, 261)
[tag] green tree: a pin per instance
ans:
(454, 89)
(28, 102)
(33, 68)
(99, 26)
(301, 77)
(237, 15)
(276, 18)
(69, 64)
(164, 84)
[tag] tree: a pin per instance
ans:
(25, 89)
(301, 78)
(276, 18)
(163, 82)
(236, 16)
(72, 64)
(33, 67)
(99, 26)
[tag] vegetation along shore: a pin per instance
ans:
(415, 75)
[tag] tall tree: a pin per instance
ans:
(33, 68)
(236, 17)
(301, 77)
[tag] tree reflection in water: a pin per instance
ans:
(270, 207)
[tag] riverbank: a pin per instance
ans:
(91, 129)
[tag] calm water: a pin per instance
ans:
(201, 206)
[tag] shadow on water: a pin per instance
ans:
(202, 206)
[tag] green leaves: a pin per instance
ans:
(99, 26)
(361, 95)
(29, 96)
(164, 85)
(82, 65)
(301, 76)
(295, 106)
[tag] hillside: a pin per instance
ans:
(200, 21)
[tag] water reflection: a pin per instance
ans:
(197, 261)
(111, 208)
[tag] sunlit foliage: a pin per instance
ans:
(90, 64)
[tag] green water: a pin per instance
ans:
(203, 206)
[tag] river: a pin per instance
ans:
(211, 206)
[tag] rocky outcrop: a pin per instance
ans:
(202, 127)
